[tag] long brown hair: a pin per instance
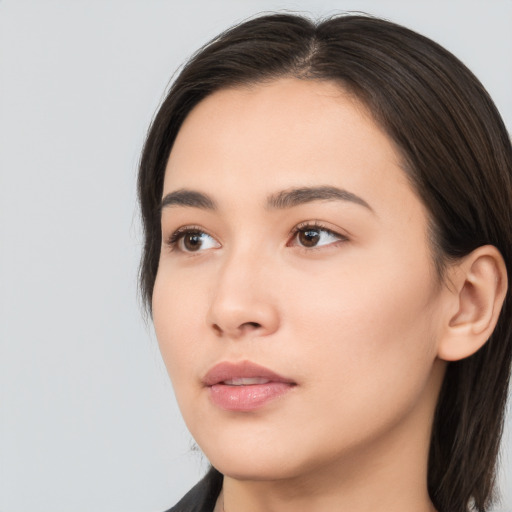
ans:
(458, 157)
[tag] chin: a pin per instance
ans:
(252, 470)
(253, 463)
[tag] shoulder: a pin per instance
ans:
(203, 496)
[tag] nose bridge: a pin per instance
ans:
(242, 301)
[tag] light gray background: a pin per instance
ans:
(87, 416)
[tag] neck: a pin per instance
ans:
(381, 489)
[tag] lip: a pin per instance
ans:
(241, 370)
(244, 386)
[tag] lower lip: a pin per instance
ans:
(247, 398)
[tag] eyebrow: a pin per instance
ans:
(297, 196)
(190, 198)
(281, 200)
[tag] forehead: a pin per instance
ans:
(283, 134)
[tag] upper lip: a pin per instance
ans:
(227, 371)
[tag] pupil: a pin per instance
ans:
(192, 241)
(309, 238)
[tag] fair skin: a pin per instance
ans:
(335, 293)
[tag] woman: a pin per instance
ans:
(327, 211)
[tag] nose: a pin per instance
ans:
(243, 303)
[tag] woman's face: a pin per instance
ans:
(296, 303)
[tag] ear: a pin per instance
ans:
(480, 284)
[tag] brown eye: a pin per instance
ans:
(308, 237)
(192, 241)
(313, 236)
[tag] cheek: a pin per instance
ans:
(365, 345)
(372, 320)
(178, 310)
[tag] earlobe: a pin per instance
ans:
(480, 286)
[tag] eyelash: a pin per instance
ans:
(315, 226)
(174, 239)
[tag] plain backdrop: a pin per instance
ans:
(88, 420)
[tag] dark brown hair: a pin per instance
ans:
(457, 154)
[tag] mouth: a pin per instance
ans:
(244, 386)
(245, 381)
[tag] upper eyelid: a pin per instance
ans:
(178, 232)
(189, 228)
(297, 227)
(320, 226)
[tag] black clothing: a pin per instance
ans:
(203, 496)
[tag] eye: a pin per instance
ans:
(191, 240)
(315, 235)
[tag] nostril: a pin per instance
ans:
(246, 326)
(217, 329)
